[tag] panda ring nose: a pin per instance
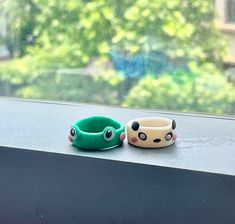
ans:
(156, 140)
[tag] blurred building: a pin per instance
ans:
(226, 21)
(4, 52)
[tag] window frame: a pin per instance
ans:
(229, 12)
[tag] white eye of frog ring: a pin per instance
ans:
(109, 133)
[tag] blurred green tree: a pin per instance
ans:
(70, 32)
(21, 20)
(54, 34)
(184, 91)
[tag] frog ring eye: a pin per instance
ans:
(73, 133)
(109, 133)
(169, 136)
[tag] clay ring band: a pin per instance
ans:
(151, 132)
(96, 133)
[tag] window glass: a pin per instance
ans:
(231, 11)
(167, 55)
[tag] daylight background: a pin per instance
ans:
(171, 55)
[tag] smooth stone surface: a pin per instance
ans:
(204, 143)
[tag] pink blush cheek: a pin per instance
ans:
(174, 136)
(122, 136)
(70, 138)
(134, 139)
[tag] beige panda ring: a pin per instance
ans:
(151, 132)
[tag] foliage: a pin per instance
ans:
(21, 21)
(29, 81)
(50, 35)
(70, 32)
(18, 71)
(184, 92)
(72, 88)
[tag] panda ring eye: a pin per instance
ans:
(142, 136)
(109, 134)
(169, 136)
(73, 132)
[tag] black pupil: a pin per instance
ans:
(135, 126)
(72, 132)
(169, 136)
(108, 133)
(142, 136)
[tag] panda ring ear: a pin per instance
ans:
(173, 124)
(135, 125)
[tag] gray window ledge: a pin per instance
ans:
(205, 143)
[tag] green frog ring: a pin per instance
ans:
(96, 133)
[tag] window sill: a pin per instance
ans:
(41, 184)
(228, 27)
(205, 143)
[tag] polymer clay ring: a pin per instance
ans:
(96, 133)
(151, 132)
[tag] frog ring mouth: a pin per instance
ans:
(96, 133)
